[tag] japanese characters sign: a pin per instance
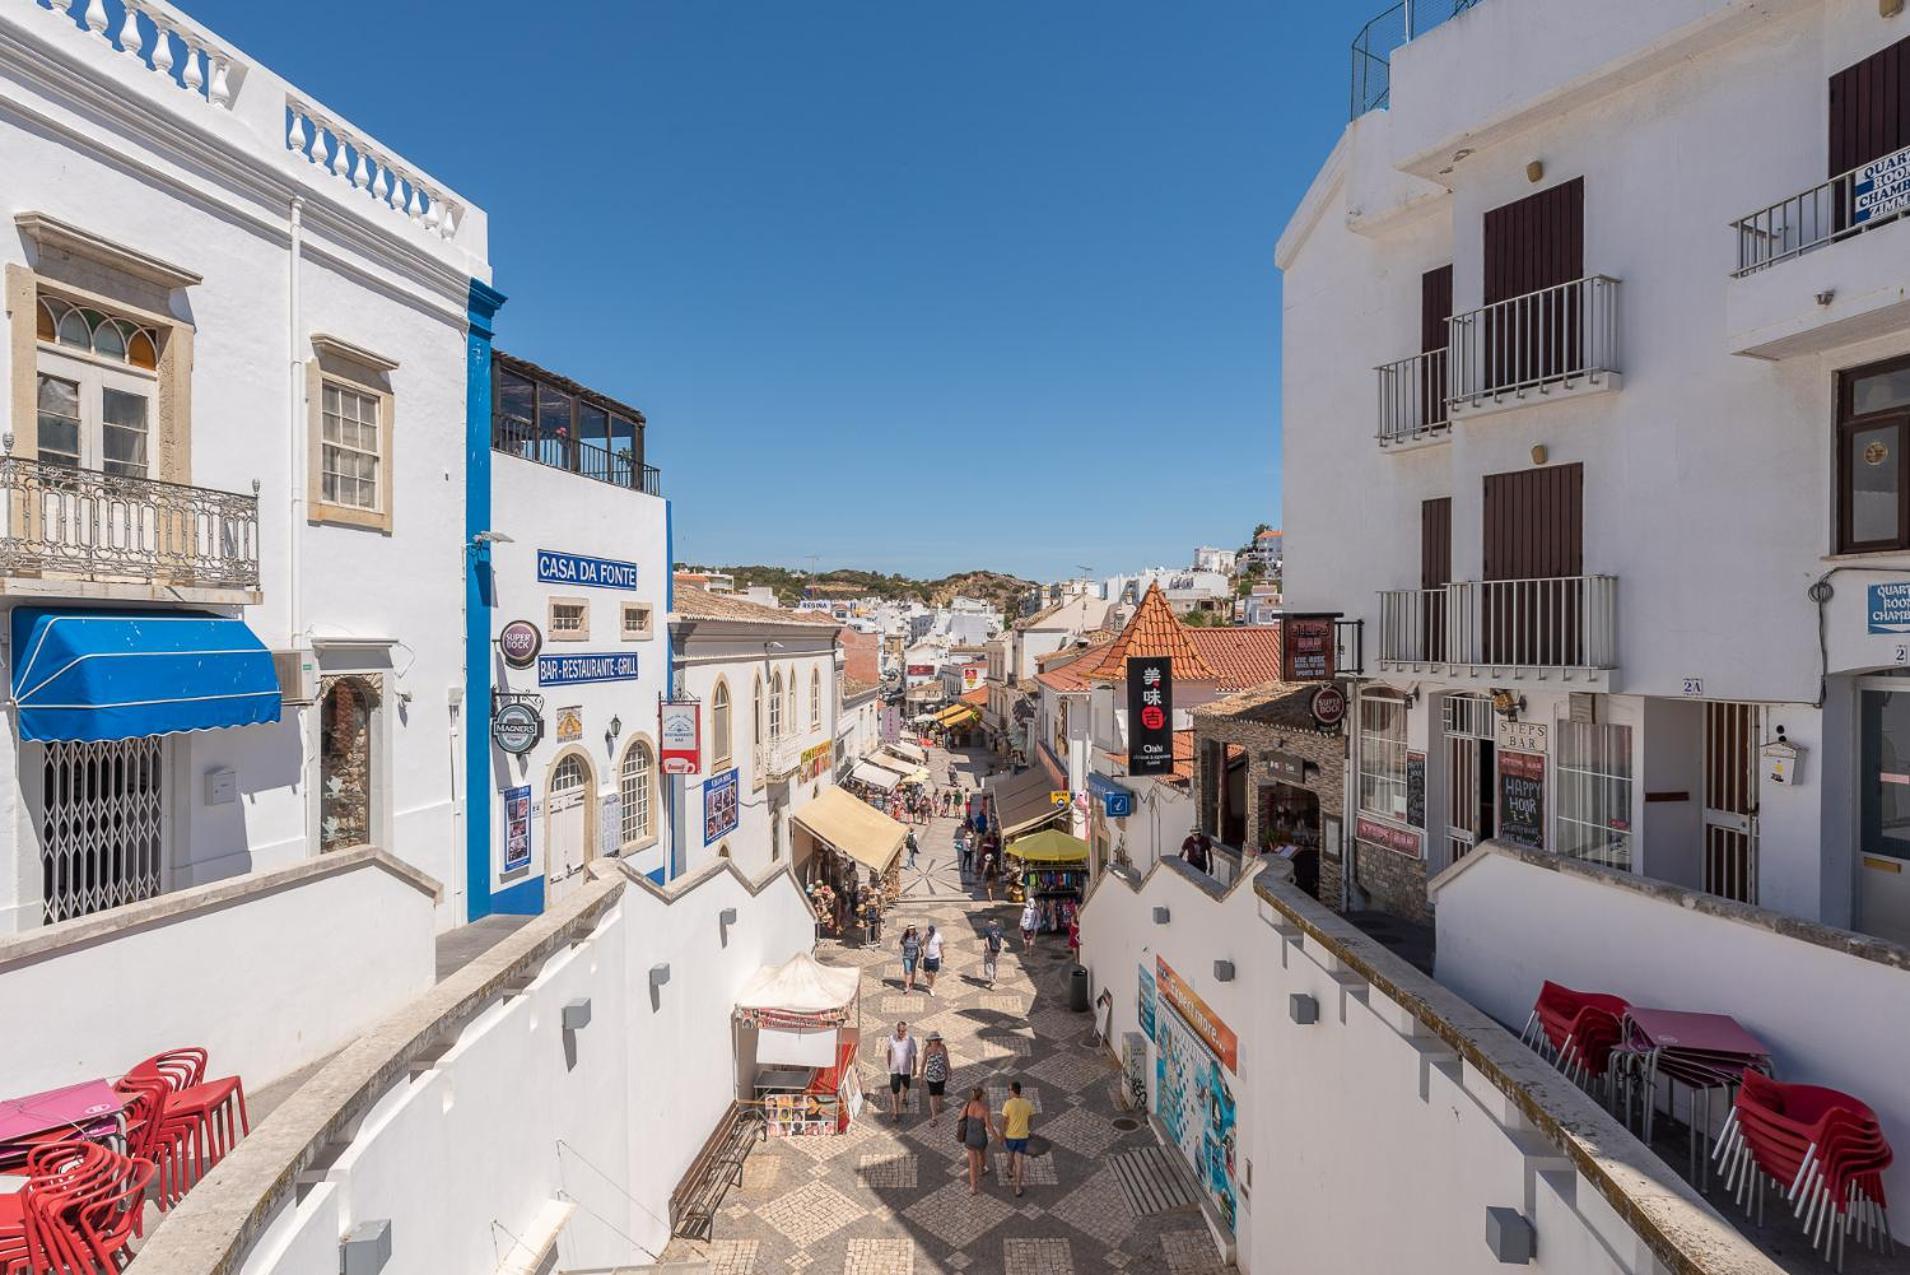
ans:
(1150, 715)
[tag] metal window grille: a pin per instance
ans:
(102, 825)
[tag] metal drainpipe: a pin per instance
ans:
(295, 503)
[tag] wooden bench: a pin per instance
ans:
(717, 1168)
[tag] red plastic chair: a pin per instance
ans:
(1557, 1008)
(77, 1212)
(200, 1120)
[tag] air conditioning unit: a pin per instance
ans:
(298, 676)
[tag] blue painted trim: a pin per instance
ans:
(672, 855)
(479, 597)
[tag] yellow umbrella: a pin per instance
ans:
(1049, 846)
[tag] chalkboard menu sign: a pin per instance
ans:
(1416, 789)
(1522, 799)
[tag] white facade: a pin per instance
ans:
(269, 282)
(777, 675)
(1705, 441)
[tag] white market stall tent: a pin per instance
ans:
(798, 1028)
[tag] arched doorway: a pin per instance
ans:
(567, 816)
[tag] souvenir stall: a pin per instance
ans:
(838, 833)
(797, 1027)
(1051, 868)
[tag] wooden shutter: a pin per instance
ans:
(1536, 242)
(1435, 307)
(1534, 523)
(1435, 542)
(1870, 108)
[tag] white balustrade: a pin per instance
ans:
(154, 36)
(332, 146)
(1554, 623)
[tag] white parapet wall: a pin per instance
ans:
(267, 972)
(484, 1134)
(1833, 1006)
(1377, 1137)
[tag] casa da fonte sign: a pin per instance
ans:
(584, 571)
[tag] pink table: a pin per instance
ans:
(90, 1109)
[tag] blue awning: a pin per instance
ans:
(109, 674)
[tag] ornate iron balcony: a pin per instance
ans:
(81, 524)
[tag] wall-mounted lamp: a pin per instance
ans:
(1535, 171)
(1303, 1009)
(1539, 454)
(491, 538)
(576, 1015)
(1223, 971)
(1507, 704)
(1827, 296)
(659, 975)
(1510, 1236)
(614, 729)
(726, 917)
(366, 1248)
(1160, 916)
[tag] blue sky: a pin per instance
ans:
(902, 285)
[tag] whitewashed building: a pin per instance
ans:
(238, 374)
(766, 680)
(1623, 506)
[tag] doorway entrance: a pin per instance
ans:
(1883, 887)
(567, 817)
(1730, 800)
(1290, 827)
(1469, 771)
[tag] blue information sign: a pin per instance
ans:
(585, 571)
(1116, 802)
(1881, 188)
(569, 670)
(1889, 608)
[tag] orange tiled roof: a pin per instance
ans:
(1155, 631)
(700, 604)
(1183, 772)
(978, 696)
(1240, 656)
(1072, 676)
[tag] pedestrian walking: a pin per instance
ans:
(1017, 1125)
(872, 916)
(932, 957)
(973, 1129)
(1074, 939)
(961, 851)
(912, 849)
(911, 953)
(991, 951)
(990, 870)
(935, 1069)
(903, 1064)
(954, 780)
(1030, 924)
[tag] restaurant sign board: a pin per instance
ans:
(516, 727)
(680, 729)
(582, 569)
(1150, 715)
(1306, 648)
(1387, 837)
(519, 642)
(573, 670)
(1522, 799)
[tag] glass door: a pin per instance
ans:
(1883, 886)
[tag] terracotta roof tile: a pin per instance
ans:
(1241, 656)
(978, 696)
(1183, 772)
(1075, 675)
(1155, 631)
(700, 604)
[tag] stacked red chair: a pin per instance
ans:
(180, 1120)
(77, 1213)
(1824, 1148)
(1576, 1030)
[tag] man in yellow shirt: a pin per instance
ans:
(1017, 1117)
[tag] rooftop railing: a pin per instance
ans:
(1865, 198)
(82, 524)
(1373, 46)
(523, 439)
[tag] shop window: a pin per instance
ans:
(1873, 429)
(635, 624)
(568, 620)
(1383, 757)
(345, 762)
(1594, 793)
(634, 792)
(97, 389)
(102, 825)
(720, 737)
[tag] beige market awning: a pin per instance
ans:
(1022, 801)
(852, 826)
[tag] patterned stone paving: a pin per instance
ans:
(892, 1198)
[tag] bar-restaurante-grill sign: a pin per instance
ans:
(1150, 715)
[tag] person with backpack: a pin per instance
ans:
(990, 871)
(991, 951)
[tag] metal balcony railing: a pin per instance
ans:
(1866, 197)
(1412, 397)
(1558, 336)
(81, 524)
(1556, 622)
(523, 439)
(1373, 46)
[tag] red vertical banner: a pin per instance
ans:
(680, 730)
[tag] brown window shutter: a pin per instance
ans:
(1536, 242)
(1870, 108)
(1435, 542)
(1435, 307)
(1534, 523)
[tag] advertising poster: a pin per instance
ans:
(517, 829)
(1306, 648)
(1147, 1002)
(1522, 799)
(680, 732)
(1150, 715)
(720, 808)
(1194, 1100)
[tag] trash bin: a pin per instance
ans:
(1078, 989)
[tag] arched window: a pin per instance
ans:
(633, 788)
(720, 726)
(815, 700)
(776, 706)
(756, 713)
(789, 703)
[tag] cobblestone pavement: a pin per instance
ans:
(892, 1199)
